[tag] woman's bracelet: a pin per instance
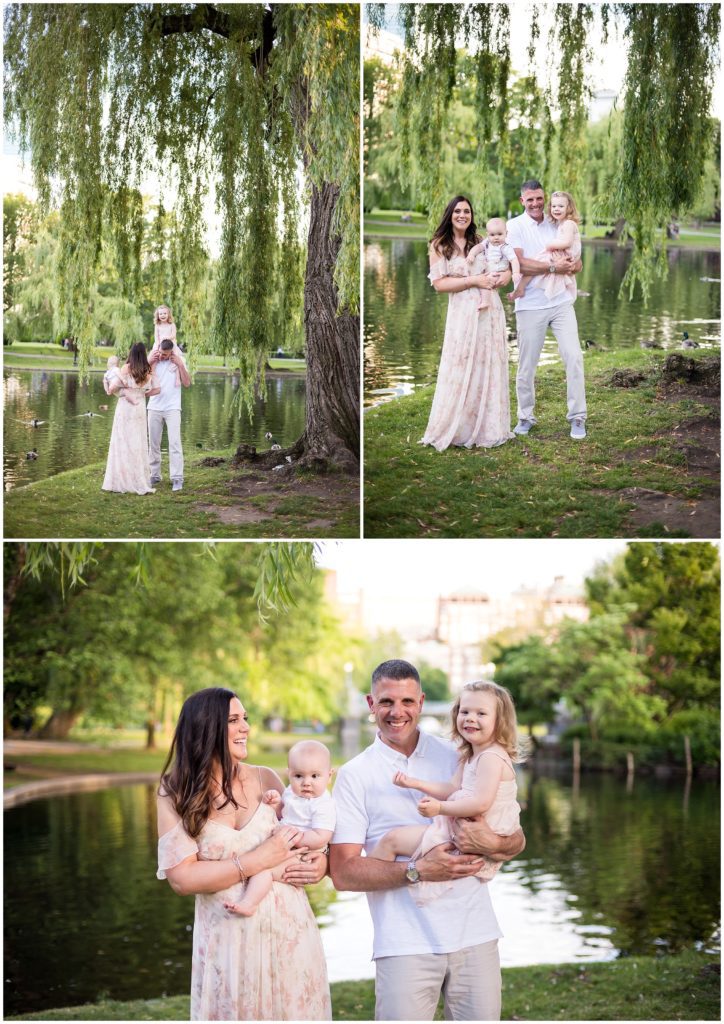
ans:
(237, 864)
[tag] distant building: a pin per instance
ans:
(601, 105)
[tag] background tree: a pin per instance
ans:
(236, 95)
(19, 226)
(667, 131)
(135, 630)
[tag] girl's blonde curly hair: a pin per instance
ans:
(506, 723)
(170, 313)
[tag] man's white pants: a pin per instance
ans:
(532, 327)
(156, 420)
(408, 987)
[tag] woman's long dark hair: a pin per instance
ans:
(200, 747)
(444, 240)
(138, 364)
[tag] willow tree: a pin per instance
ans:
(671, 50)
(224, 101)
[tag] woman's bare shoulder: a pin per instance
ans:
(270, 779)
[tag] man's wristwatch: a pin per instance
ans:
(551, 268)
(412, 874)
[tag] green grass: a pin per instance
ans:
(41, 356)
(685, 986)
(72, 504)
(545, 485)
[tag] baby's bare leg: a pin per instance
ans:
(256, 889)
(399, 842)
(520, 288)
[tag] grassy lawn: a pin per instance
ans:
(40, 356)
(545, 485)
(388, 224)
(685, 986)
(217, 501)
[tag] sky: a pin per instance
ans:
(402, 579)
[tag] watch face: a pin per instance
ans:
(412, 874)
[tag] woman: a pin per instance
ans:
(127, 468)
(214, 832)
(471, 406)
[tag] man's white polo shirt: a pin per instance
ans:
(532, 237)
(169, 398)
(369, 805)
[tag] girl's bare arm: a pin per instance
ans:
(565, 237)
(487, 780)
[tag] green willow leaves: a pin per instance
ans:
(200, 102)
(672, 52)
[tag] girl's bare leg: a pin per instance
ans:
(399, 842)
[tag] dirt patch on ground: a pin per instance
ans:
(235, 515)
(698, 379)
(696, 440)
(698, 517)
(269, 489)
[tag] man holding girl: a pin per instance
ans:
(448, 944)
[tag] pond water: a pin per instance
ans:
(68, 439)
(405, 318)
(607, 872)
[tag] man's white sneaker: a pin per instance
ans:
(177, 485)
(522, 427)
(578, 429)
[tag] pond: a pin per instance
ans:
(606, 872)
(68, 439)
(405, 318)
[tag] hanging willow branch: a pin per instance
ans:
(105, 97)
(672, 53)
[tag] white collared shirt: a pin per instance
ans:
(532, 237)
(166, 374)
(369, 805)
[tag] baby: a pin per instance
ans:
(306, 804)
(113, 372)
(499, 255)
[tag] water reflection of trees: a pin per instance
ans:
(646, 862)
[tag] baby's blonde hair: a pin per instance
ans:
(506, 723)
(571, 212)
(163, 306)
(496, 220)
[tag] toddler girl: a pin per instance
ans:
(305, 804)
(484, 726)
(164, 329)
(562, 211)
(499, 255)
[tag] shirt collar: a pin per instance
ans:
(537, 223)
(395, 756)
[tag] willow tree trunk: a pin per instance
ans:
(59, 725)
(331, 435)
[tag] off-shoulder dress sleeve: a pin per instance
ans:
(439, 268)
(173, 847)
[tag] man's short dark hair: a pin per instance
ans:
(166, 344)
(530, 186)
(395, 669)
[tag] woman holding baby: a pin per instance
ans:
(471, 406)
(218, 827)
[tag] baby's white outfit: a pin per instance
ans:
(108, 378)
(319, 812)
(495, 260)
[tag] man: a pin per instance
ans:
(535, 313)
(165, 407)
(450, 944)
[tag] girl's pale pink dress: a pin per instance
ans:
(503, 817)
(556, 284)
(267, 967)
(127, 468)
(471, 407)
